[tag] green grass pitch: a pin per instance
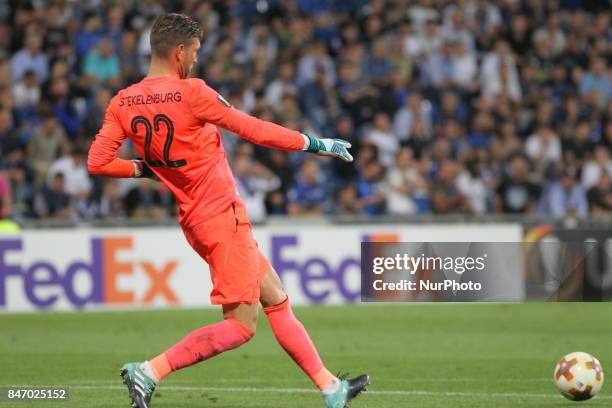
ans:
(426, 356)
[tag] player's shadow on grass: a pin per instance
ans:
(206, 400)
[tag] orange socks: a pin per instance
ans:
(292, 336)
(201, 344)
(208, 341)
(160, 367)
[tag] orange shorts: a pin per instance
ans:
(237, 266)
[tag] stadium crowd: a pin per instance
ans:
(466, 106)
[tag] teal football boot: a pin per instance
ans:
(349, 389)
(140, 386)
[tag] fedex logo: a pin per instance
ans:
(103, 270)
(314, 270)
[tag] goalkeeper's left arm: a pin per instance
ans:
(207, 105)
(102, 159)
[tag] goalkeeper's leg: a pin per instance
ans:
(226, 243)
(294, 338)
(237, 328)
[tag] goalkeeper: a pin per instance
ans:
(172, 121)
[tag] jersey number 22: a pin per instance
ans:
(157, 120)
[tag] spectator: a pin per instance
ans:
(505, 142)
(144, 201)
(607, 135)
(370, 197)
(54, 201)
(445, 196)
(411, 41)
(110, 204)
(431, 39)
(600, 164)
(381, 136)
(519, 36)
(347, 202)
(129, 62)
(600, 195)
(318, 100)
(566, 197)
(420, 139)
(26, 92)
(60, 69)
(597, 82)
(472, 184)
(498, 74)
(59, 94)
(114, 27)
(281, 86)
(261, 38)
(278, 163)
(560, 86)
(9, 137)
(88, 36)
(440, 68)
(544, 147)
(289, 111)
(401, 180)
(550, 36)
(486, 19)
(402, 70)
(455, 135)
(76, 177)
(5, 71)
(101, 64)
(465, 68)
(95, 113)
(254, 181)
(422, 13)
(144, 46)
(316, 55)
(455, 28)
(6, 201)
(46, 142)
(30, 58)
(345, 129)
(578, 144)
(378, 66)
(20, 176)
(482, 130)
(450, 109)
(517, 195)
(308, 195)
(416, 108)
(356, 96)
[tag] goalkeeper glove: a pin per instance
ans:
(142, 170)
(328, 147)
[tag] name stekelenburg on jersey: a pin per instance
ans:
(135, 100)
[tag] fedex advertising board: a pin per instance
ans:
(155, 267)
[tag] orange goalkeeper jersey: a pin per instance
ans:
(173, 125)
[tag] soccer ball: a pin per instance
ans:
(578, 376)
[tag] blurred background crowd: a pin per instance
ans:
(467, 106)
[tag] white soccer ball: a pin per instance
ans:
(578, 376)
